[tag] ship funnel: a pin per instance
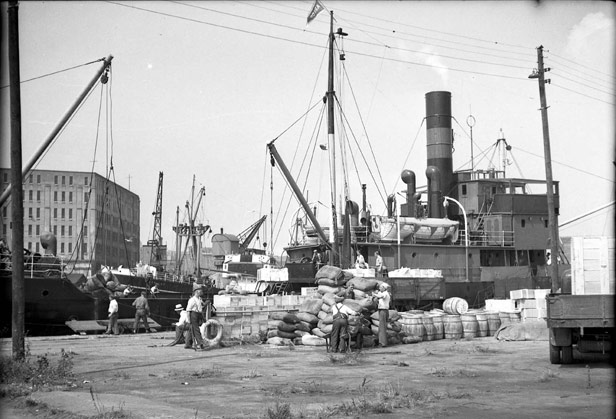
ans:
(440, 139)
(408, 177)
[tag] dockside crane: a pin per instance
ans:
(246, 236)
(158, 250)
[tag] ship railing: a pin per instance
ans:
(489, 238)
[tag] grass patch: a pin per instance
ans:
(112, 414)
(382, 400)
(253, 373)
(345, 358)
(279, 411)
(122, 374)
(206, 373)
(448, 372)
(22, 377)
(484, 349)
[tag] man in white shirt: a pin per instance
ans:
(182, 328)
(340, 333)
(384, 298)
(113, 316)
(195, 313)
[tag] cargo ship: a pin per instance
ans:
(474, 234)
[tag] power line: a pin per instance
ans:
(320, 46)
(583, 66)
(582, 94)
(569, 166)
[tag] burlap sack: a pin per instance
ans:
(312, 305)
(308, 317)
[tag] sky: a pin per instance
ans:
(198, 89)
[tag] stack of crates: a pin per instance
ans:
(530, 302)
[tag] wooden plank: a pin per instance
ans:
(101, 325)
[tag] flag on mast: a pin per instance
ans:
(316, 8)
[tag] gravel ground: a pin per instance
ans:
(138, 376)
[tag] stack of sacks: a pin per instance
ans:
(393, 327)
(308, 317)
(315, 318)
(330, 279)
(274, 335)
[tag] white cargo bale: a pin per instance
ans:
(500, 305)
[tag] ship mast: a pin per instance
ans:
(333, 234)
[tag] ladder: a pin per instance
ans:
(271, 288)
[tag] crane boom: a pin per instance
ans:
(249, 234)
(157, 240)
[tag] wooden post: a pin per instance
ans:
(17, 207)
(552, 216)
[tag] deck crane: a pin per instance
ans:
(246, 236)
(158, 250)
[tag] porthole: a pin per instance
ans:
(413, 254)
(45, 293)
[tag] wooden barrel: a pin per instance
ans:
(412, 325)
(455, 305)
(482, 323)
(515, 316)
(494, 322)
(437, 320)
(452, 326)
(469, 325)
(504, 318)
(429, 327)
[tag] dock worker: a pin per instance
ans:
(384, 297)
(360, 262)
(195, 313)
(142, 313)
(378, 265)
(182, 328)
(340, 335)
(316, 259)
(347, 293)
(112, 327)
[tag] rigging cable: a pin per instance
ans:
(81, 236)
(56, 72)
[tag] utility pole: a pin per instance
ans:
(17, 203)
(552, 215)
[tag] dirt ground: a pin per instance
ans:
(139, 377)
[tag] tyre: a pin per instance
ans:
(567, 354)
(554, 354)
(216, 340)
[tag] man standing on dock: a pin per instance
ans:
(384, 297)
(142, 313)
(112, 327)
(195, 312)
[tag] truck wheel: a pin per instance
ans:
(554, 354)
(567, 354)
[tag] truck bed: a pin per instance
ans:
(580, 310)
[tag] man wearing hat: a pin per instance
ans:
(113, 316)
(182, 328)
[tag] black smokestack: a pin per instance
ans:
(439, 142)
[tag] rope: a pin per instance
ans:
(56, 72)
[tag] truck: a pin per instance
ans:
(581, 317)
